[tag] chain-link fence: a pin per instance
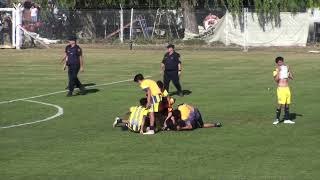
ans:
(158, 26)
(105, 25)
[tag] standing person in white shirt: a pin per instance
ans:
(34, 14)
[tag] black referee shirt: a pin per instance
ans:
(172, 61)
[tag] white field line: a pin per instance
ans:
(59, 113)
(64, 91)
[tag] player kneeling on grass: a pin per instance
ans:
(137, 118)
(281, 75)
(187, 117)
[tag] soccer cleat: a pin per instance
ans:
(276, 122)
(180, 93)
(217, 124)
(69, 94)
(288, 122)
(150, 132)
(116, 121)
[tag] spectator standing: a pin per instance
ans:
(34, 14)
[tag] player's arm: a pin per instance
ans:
(187, 127)
(290, 73)
(162, 67)
(142, 124)
(81, 60)
(149, 97)
(81, 64)
(276, 74)
(64, 59)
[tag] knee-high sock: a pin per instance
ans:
(286, 113)
(278, 113)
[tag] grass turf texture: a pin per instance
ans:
(227, 86)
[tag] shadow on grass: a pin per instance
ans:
(184, 92)
(293, 116)
(88, 91)
(85, 85)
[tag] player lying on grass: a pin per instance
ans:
(187, 117)
(281, 75)
(137, 118)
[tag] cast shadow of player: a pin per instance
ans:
(293, 116)
(184, 92)
(85, 85)
(88, 91)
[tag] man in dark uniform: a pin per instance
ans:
(74, 61)
(171, 69)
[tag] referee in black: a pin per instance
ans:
(171, 69)
(74, 61)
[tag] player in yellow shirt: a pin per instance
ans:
(187, 117)
(153, 97)
(281, 75)
(137, 118)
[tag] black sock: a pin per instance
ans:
(278, 112)
(286, 113)
(151, 128)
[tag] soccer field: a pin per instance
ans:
(231, 87)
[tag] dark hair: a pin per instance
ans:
(138, 77)
(72, 38)
(143, 101)
(170, 46)
(176, 114)
(160, 85)
(279, 58)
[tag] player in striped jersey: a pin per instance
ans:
(137, 118)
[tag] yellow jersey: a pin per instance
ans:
(165, 93)
(152, 85)
(185, 111)
(137, 113)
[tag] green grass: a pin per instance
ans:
(227, 86)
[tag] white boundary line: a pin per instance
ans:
(58, 92)
(59, 113)
(60, 109)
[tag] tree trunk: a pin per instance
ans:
(189, 15)
(88, 25)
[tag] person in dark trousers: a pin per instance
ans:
(74, 60)
(171, 69)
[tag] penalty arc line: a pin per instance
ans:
(59, 113)
(60, 109)
(58, 92)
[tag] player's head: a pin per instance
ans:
(279, 60)
(170, 47)
(72, 39)
(160, 85)
(143, 102)
(138, 78)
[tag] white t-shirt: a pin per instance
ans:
(284, 72)
(34, 12)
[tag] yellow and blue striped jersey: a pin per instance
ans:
(137, 114)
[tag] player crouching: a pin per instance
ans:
(137, 118)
